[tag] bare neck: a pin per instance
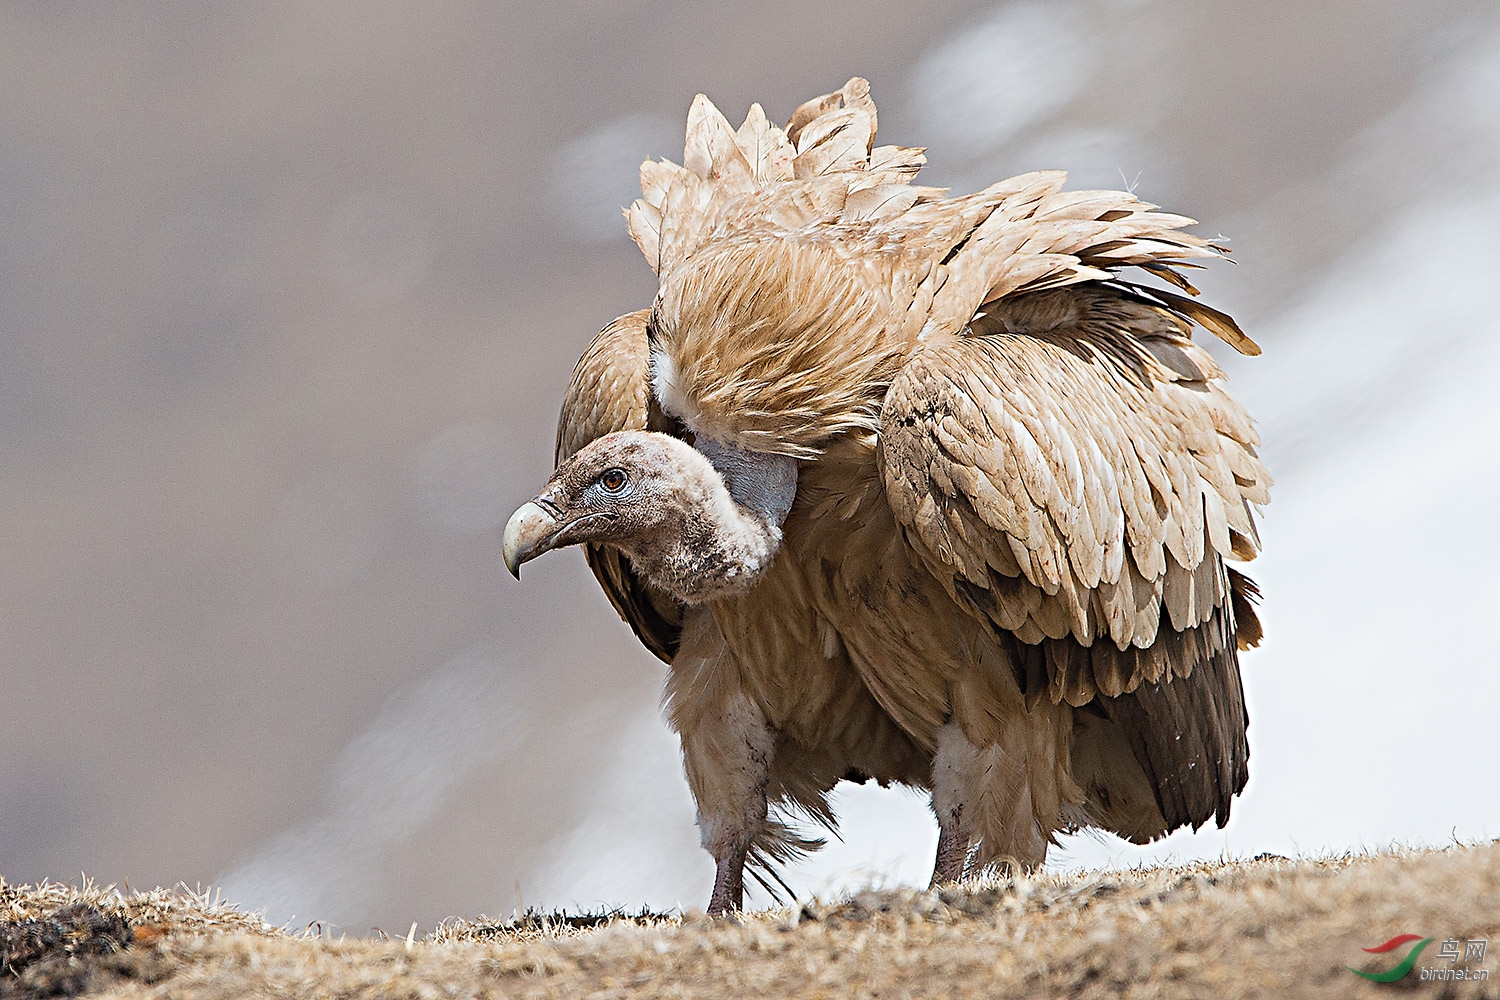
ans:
(725, 523)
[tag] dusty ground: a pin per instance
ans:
(1268, 927)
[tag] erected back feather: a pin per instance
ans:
(823, 170)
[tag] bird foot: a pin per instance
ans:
(729, 885)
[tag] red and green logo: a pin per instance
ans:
(1403, 967)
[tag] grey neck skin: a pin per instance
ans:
(766, 484)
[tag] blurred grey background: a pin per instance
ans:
(289, 294)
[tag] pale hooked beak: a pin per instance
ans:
(527, 535)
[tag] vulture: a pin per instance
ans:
(919, 489)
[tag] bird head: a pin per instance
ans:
(661, 502)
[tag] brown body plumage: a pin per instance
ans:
(997, 485)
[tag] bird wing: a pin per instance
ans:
(610, 391)
(1070, 469)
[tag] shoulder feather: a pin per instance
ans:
(610, 391)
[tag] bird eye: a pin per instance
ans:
(614, 480)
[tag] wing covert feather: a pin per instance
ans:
(1070, 470)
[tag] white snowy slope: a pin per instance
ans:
(391, 779)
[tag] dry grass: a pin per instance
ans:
(1268, 927)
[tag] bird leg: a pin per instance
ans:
(954, 839)
(729, 813)
(729, 816)
(727, 747)
(729, 883)
(952, 852)
(1006, 796)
